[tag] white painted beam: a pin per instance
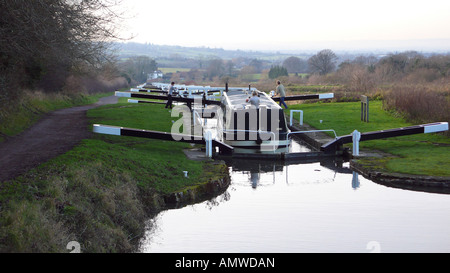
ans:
(106, 129)
(438, 127)
(122, 94)
(326, 96)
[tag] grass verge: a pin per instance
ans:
(100, 193)
(422, 154)
(31, 106)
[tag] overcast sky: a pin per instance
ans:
(291, 24)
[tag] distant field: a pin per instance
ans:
(173, 69)
(251, 77)
(312, 88)
(303, 75)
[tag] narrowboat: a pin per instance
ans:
(244, 126)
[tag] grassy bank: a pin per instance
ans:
(423, 154)
(101, 192)
(158, 164)
(19, 115)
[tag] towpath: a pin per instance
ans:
(53, 135)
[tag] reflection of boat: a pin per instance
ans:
(244, 126)
(242, 165)
(259, 169)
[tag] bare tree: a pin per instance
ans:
(257, 64)
(40, 36)
(295, 65)
(323, 62)
(215, 68)
(137, 68)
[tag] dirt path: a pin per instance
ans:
(53, 135)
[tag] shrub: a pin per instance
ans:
(419, 103)
(277, 71)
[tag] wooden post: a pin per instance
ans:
(364, 108)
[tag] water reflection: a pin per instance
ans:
(216, 201)
(254, 169)
(320, 206)
(355, 180)
(254, 178)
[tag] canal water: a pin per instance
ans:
(304, 207)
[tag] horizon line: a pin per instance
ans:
(337, 45)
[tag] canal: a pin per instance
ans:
(305, 207)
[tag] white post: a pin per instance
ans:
(208, 140)
(356, 136)
(292, 117)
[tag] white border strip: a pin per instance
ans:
(326, 96)
(122, 94)
(107, 130)
(442, 126)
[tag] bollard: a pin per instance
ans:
(356, 136)
(208, 140)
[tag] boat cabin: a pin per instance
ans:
(245, 126)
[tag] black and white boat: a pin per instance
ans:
(244, 126)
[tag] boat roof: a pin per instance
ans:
(236, 99)
(235, 96)
(199, 87)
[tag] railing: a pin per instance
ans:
(274, 146)
(292, 116)
(251, 131)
